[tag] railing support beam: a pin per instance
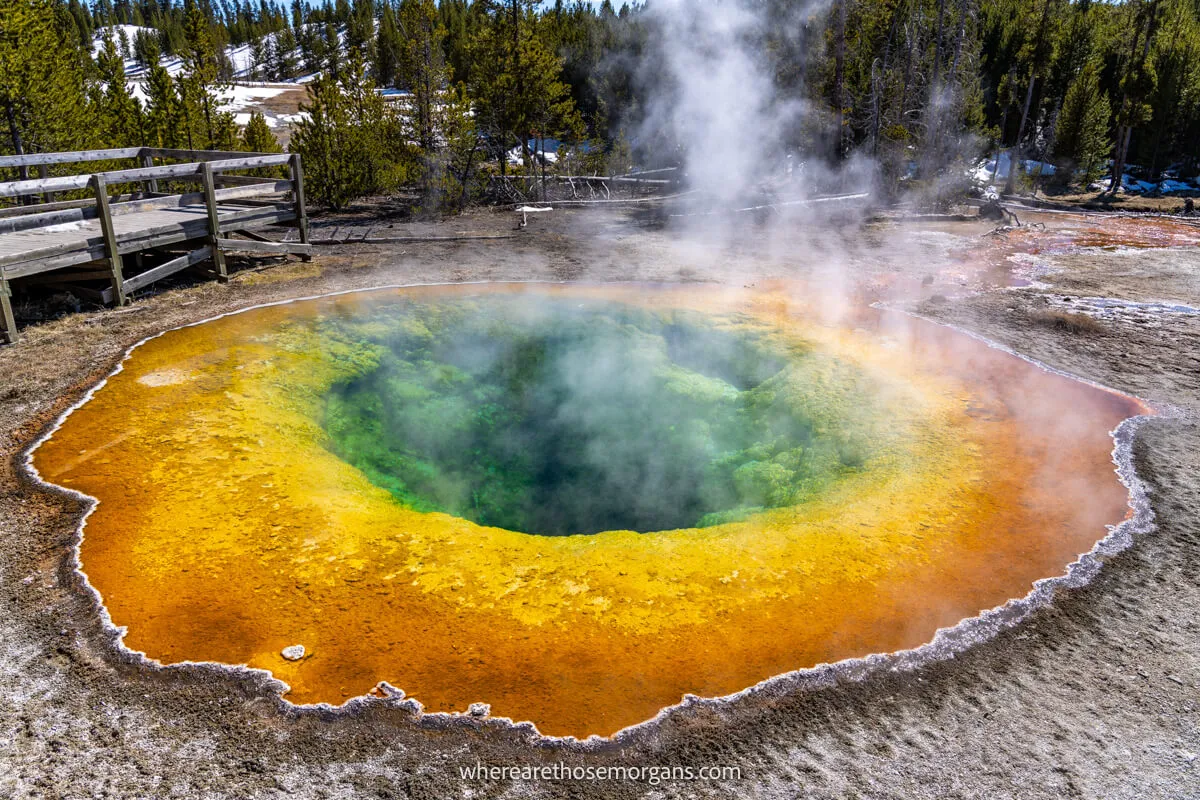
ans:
(44, 173)
(104, 212)
(147, 162)
(297, 175)
(7, 320)
(214, 221)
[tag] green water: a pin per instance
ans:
(551, 417)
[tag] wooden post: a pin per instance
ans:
(298, 197)
(44, 173)
(7, 320)
(23, 174)
(214, 221)
(147, 161)
(100, 186)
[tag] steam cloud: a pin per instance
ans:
(715, 105)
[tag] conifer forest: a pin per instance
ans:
(921, 87)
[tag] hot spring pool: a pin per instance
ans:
(574, 503)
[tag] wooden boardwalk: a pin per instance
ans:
(31, 252)
(85, 240)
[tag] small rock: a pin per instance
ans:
(385, 689)
(293, 653)
(479, 709)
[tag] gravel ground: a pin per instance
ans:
(1095, 696)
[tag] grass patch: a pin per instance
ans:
(1068, 322)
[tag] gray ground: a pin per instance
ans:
(1095, 697)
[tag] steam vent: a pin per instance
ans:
(575, 504)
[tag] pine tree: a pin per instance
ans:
(123, 41)
(455, 16)
(360, 30)
(1081, 137)
(283, 62)
(422, 68)
(460, 154)
(43, 98)
(120, 112)
(204, 124)
(257, 136)
(348, 139)
(224, 133)
(1136, 84)
(332, 50)
(146, 49)
(164, 126)
(388, 47)
(312, 50)
(1036, 56)
(517, 81)
(259, 58)
(82, 17)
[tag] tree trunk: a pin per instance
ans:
(1015, 155)
(1000, 145)
(874, 109)
(839, 75)
(462, 195)
(1125, 131)
(520, 81)
(1118, 171)
(937, 50)
(1034, 72)
(208, 119)
(542, 141)
(14, 131)
(958, 41)
(876, 89)
(934, 107)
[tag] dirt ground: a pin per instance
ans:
(1096, 696)
(1102, 201)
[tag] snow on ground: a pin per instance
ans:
(986, 176)
(1130, 184)
(244, 96)
(242, 119)
(1146, 314)
(548, 147)
(239, 98)
(1172, 185)
(130, 31)
(133, 69)
(243, 100)
(985, 171)
(138, 90)
(240, 57)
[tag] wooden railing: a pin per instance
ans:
(219, 161)
(206, 168)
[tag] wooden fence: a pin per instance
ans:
(122, 212)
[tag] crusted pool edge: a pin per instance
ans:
(945, 644)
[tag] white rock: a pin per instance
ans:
(293, 653)
(479, 709)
